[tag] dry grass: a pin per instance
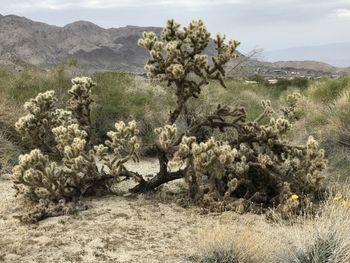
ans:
(9, 112)
(9, 153)
(252, 239)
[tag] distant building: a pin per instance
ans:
(272, 81)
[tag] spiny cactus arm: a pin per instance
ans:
(65, 135)
(166, 136)
(180, 104)
(42, 118)
(36, 125)
(80, 102)
(291, 110)
(225, 52)
(36, 173)
(123, 141)
(124, 144)
(268, 110)
(313, 163)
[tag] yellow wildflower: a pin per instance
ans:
(345, 203)
(295, 197)
(338, 197)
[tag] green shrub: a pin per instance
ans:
(120, 96)
(327, 90)
(258, 78)
(28, 83)
(283, 84)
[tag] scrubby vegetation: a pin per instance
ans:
(237, 146)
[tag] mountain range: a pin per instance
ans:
(336, 54)
(23, 41)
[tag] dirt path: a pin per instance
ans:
(113, 229)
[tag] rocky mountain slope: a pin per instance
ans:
(23, 41)
(94, 47)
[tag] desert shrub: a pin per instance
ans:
(327, 90)
(10, 139)
(338, 117)
(258, 78)
(283, 84)
(31, 81)
(125, 97)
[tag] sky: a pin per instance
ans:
(261, 24)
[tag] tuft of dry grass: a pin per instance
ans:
(9, 112)
(9, 153)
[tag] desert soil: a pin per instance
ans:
(124, 228)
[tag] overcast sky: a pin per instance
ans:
(268, 24)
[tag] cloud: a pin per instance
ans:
(107, 4)
(342, 12)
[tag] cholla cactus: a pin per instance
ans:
(76, 172)
(291, 111)
(40, 178)
(44, 116)
(183, 153)
(315, 162)
(309, 164)
(177, 56)
(257, 168)
(80, 102)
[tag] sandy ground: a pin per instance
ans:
(114, 229)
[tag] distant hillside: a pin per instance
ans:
(95, 48)
(23, 41)
(337, 54)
